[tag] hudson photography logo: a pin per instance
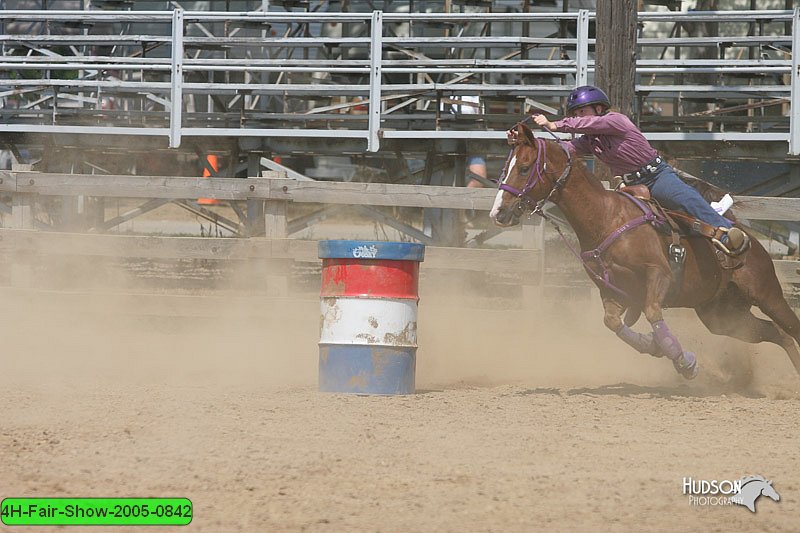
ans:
(744, 491)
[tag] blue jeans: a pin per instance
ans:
(475, 160)
(668, 189)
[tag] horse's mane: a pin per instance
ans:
(579, 165)
(748, 479)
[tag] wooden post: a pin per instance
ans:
(616, 52)
(255, 207)
(275, 228)
(615, 70)
(275, 219)
(533, 239)
(22, 211)
(21, 268)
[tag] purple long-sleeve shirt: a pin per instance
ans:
(612, 138)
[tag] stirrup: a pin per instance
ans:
(739, 250)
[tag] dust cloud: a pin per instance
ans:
(117, 383)
(103, 320)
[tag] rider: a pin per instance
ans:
(617, 142)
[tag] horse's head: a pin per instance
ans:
(768, 491)
(751, 488)
(524, 181)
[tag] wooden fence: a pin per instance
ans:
(275, 192)
(25, 188)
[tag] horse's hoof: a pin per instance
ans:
(686, 365)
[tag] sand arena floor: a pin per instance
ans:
(534, 420)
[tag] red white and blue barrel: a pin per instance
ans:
(368, 331)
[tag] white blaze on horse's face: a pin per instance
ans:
(498, 200)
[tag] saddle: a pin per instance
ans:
(678, 224)
(681, 224)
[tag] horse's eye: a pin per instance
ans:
(524, 169)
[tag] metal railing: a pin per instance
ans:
(381, 75)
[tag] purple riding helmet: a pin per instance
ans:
(586, 95)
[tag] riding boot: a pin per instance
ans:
(640, 342)
(735, 242)
(684, 362)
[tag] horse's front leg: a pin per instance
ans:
(657, 286)
(638, 341)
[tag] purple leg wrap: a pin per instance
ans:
(684, 362)
(666, 340)
(640, 342)
(687, 367)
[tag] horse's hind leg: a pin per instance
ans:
(734, 319)
(730, 315)
(613, 321)
(774, 306)
(757, 284)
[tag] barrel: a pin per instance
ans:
(368, 324)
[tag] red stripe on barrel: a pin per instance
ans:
(370, 278)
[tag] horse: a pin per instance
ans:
(751, 488)
(626, 256)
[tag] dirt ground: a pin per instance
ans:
(524, 420)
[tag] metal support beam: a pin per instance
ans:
(375, 57)
(794, 119)
(176, 89)
(582, 51)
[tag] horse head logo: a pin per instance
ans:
(752, 488)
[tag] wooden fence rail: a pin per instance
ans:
(273, 186)
(277, 191)
(259, 248)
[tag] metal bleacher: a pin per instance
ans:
(298, 76)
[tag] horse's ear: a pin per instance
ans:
(524, 134)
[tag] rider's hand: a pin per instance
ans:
(542, 121)
(511, 137)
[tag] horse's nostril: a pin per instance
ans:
(505, 217)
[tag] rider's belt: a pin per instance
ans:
(645, 172)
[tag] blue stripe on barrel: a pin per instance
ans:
(367, 369)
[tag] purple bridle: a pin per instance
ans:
(538, 168)
(535, 175)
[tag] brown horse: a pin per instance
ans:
(627, 257)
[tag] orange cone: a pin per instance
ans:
(213, 162)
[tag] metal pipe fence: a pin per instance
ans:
(382, 75)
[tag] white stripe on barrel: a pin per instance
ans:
(369, 321)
